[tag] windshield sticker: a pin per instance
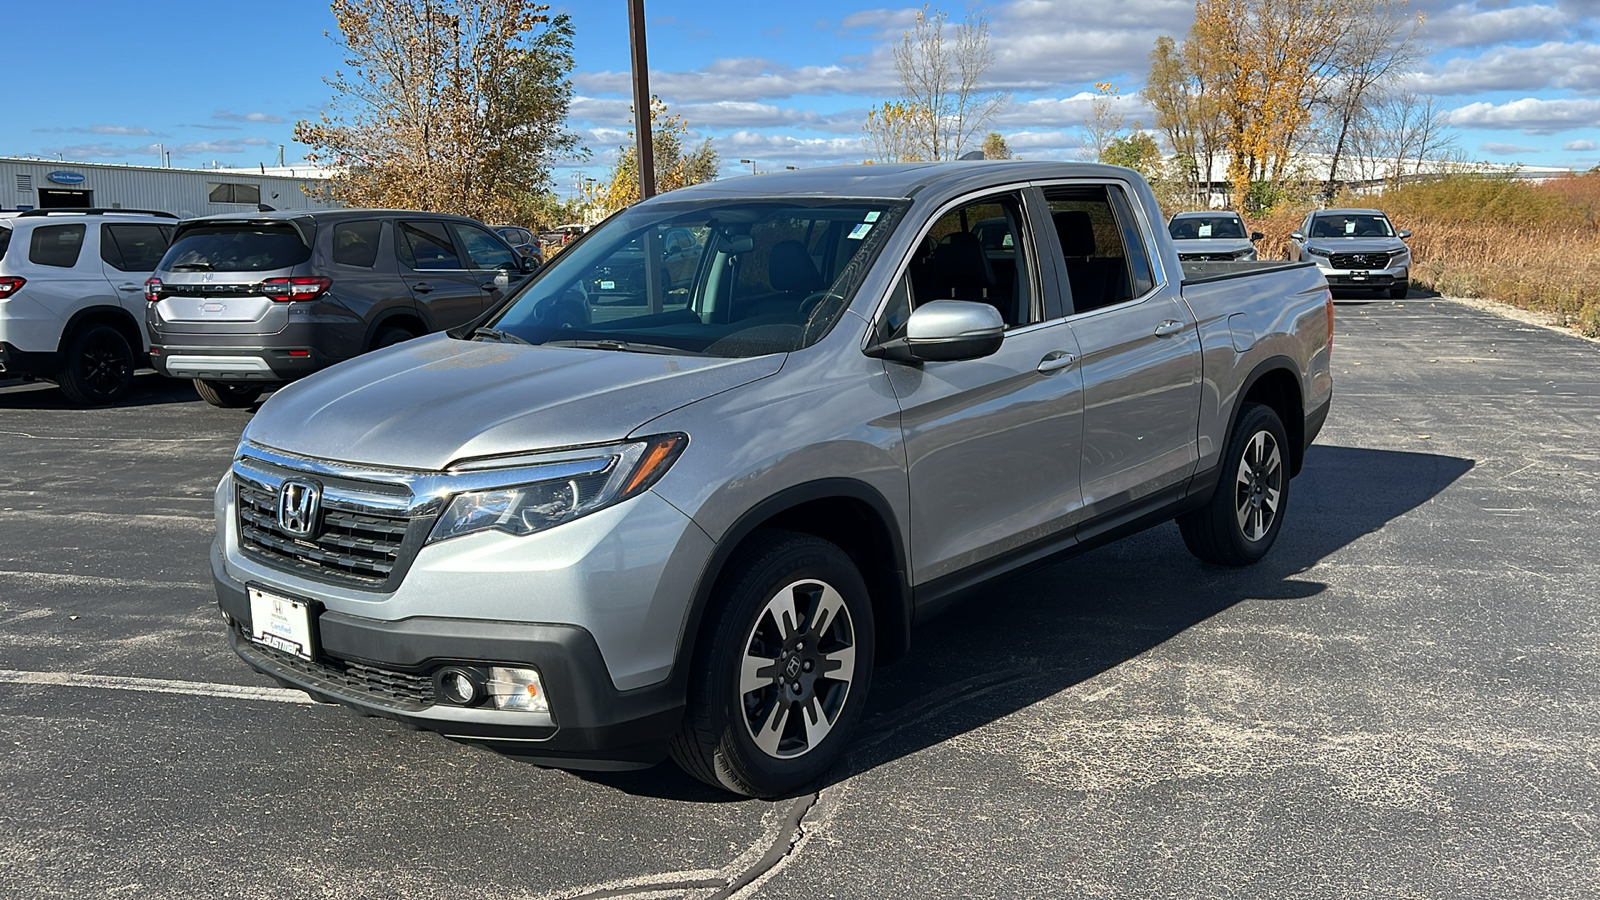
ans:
(1349, 226)
(860, 231)
(872, 216)
(607, 285)
(1205, 229)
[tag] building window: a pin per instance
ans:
(235, 193)
(24, 184)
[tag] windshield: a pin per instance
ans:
(731, 278)
(1351, 225)
(1189, 228)
(243, 247)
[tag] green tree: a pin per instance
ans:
(447, 105)
(676, 164)
(995, 147)
(1136, 151)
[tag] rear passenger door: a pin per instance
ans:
(496, 266)
(992, 443)
(1140, 352)
(63, 273)
(129, 253)
(446, 291)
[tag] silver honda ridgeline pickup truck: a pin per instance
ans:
(688, 486)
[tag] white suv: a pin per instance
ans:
(72, 296)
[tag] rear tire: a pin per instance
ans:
(773, 697)
(98, 368)
(1240, 522)
(390, 336)
(227, 394)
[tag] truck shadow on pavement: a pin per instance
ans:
(1029, 638)
(1033, 637)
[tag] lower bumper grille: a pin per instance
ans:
(404, 691)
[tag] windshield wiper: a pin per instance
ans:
(504, 337)
(625, 346)
(195, 265)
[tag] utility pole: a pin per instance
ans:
(644, 142)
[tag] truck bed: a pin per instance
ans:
(1202, 272)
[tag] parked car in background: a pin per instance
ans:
(595, 533)
(523, 241)
(72, 296)
(240, 302)
(1355, 249)
(1212, 237)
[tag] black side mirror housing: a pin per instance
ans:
(1256, 235)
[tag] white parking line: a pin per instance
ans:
(156, 685)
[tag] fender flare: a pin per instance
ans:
(1296, 429)
(140, 347)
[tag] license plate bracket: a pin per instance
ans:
(283, 623)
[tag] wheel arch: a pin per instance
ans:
(849, 513)
(399, 316)
(1274, 382)
(116, 317)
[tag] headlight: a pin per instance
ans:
(1246, 253)
(551, 488)
(1318, 251)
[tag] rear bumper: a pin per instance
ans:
(16, 363)
(263, 364)
(595, 726)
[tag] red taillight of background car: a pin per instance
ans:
(288, 290)
(152, 289)
(9, 285)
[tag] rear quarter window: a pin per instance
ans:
(5, 241)
(356, 243)
(134, 248)
(245, 247)
(56, 245)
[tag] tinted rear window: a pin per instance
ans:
(56, 245)
(251, 247)
(5, 241)
(356, 243)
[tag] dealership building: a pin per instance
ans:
(50, 184)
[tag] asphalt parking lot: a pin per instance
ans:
(1401, 701)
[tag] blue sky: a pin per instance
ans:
(781, 83)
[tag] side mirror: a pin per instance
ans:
(946, 331)
(527, 264)
(1256, 235)
(1404, 234)
(1297, 236)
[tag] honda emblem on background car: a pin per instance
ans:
(298, 503)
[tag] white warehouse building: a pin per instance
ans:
(50, 184)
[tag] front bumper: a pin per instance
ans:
(385, 669)
(1366, 279)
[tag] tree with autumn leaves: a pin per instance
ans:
(453, 106)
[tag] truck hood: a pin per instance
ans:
(1212, 245)
(429, 402)
(1358, 245)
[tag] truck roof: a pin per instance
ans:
(892, 180)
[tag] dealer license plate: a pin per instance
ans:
(281, 623)
(1358, 276)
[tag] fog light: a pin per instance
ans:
(460, 686)
(518, 689)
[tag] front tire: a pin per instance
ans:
(390, 336)
(99, 366)
(1398, 291)
(1240, 522)
(227, 394)
(783, 676)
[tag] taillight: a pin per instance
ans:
(152, 289)
(1328, 292)
(9, 285)
(288, 290)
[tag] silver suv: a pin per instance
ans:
(1355, 249)
(683, 491)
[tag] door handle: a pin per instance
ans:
(488, 285)
(422, 287)
(1169, 327)
(1055, 361)
(130, 287)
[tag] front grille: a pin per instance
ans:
(387, 687)
(1359, 260)
(355, 548)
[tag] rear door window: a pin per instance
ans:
(241, 247)
(356, 243)
(1100, 244)
(484, 251)
(426, 245)
(56, 245)
(133, 248)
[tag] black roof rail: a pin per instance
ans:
(94, 211)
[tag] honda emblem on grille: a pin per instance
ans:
(298, 505)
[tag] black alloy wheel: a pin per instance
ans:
(98, 366)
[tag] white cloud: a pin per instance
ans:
(743, 78)
(218, 148)
(1065, 112)
(1573, 66)
(1467, 26)
(100, 151)
(1529, 115)
(258, 117)
(126, 130)
(1499, 149)
(1580, 145)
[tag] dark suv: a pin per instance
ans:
(242, 302)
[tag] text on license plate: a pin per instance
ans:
(280, 623)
